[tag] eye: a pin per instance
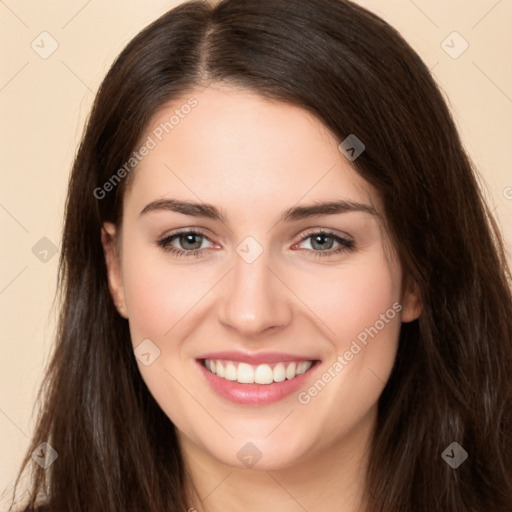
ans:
(323, 241)
(191, 242)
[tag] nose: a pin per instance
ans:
(256, 298)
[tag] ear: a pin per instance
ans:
(412, 304)
(113, 262)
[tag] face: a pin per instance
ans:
(258, 286)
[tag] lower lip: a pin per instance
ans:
(255, 394)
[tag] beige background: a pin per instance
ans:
(44, 103)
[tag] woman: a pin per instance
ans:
(281, 286)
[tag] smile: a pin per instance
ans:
(256, 374)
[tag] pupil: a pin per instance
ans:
(189, 239)
(320, 239)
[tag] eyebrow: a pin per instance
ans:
(294, 213)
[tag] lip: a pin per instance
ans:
(256, 394)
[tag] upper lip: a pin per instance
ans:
(255, 358)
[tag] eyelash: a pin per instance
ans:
(345, 244)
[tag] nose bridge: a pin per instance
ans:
(255, 299)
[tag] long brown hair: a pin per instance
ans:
(117, 450)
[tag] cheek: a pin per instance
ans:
(351, 297)
(360, 312)
(359, 308)
(159, 294)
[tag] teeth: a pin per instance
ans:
(301, 368)
(245, 374)
(260, 374)
(230, 372)
(290, 371)
(279, 372)
(263, 374)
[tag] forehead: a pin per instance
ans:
(232, 147)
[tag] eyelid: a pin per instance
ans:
(180, 231)
(326, 231)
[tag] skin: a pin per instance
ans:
(253, 158)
